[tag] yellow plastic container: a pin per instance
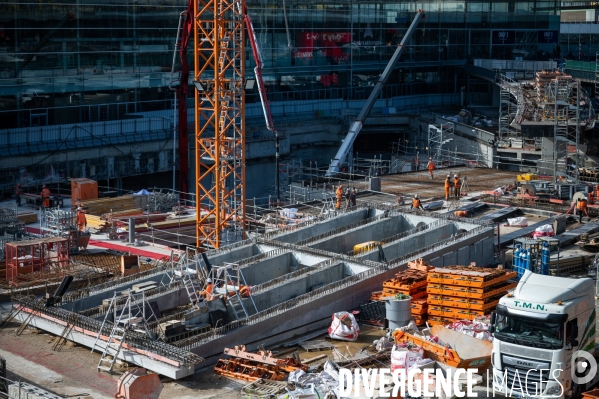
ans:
(365, 247)
(528, 177)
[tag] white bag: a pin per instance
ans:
(519, 221)
(546, 228)
(414, 355)
(398, 358)
(344, 327)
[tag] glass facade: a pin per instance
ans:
(79, 61)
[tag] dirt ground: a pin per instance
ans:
(73, 371)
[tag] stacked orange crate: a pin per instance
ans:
(410, 282)
(465, 292)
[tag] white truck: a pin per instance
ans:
(544, 338)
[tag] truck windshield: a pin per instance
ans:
(528, 331)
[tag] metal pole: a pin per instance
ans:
(174, 136)
(577, 172)
(555, 133)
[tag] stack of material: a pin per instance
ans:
(95, 222)
(410, 282)
(105, 205)
(122, 214)
(465, 292)
(27, 217)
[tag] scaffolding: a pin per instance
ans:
(510, 95)
(39, 256)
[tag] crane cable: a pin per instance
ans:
(287, 25)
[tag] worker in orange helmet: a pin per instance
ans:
(416, 203)
(46, 196)
(430, 166)
(339, 196)
(457, 184)
(81, 220)
(448, 184)
(581, 207)
(207, 293)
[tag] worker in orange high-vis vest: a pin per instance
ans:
(448, 185)
(81, 220)
(46, 196)
(339, 196)
(430, 166)
(416, 203)
(207, 293)
(581, 207)
(457, 184)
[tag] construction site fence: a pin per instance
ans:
(132, 338)
(436, 246)
(284, 307)
(541, 205)
(293, 275)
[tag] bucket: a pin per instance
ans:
(398, 312)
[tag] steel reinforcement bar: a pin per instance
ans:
(132, 338)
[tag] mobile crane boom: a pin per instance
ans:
(261, 87)
(357, 124)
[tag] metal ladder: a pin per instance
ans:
(130, 310)
(181, 266)
(62, 340)
(235, 300)
(30, 317)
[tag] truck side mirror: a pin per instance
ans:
(492, 323)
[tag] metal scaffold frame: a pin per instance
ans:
(437, 137)
(509, 94)
(219, 79)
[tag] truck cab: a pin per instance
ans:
(540, 331)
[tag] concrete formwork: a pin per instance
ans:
(299, 279)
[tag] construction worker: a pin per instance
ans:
(81, 220)
(457, 184)
(207, 293)
(18, 192)
(430, 166)
(416, 203)
(581, 207)
(78, 204)
(448, 184)
(339, 196)
(352, 197)
(46, 196)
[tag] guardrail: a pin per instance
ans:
(132, 338)
(339, 230)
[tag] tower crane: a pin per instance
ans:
(356, 126)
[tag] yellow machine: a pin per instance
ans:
(365, 247)
(527, 177)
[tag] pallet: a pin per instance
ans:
(420, 320)
(421, 265)
(317, 345)
(447, 312)
(396, 284)
(415, 293)
(265, 388)
(466, 292)
(419, 306)
(464, 303)
(467, 278)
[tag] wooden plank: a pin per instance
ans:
(316, 345)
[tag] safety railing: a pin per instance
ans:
(256, 289)
(438, 245)
(162, 266)
(149, 294)
(259, 257)
(399, 236)
(284, 307)
(338, 230)
(132, 338)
